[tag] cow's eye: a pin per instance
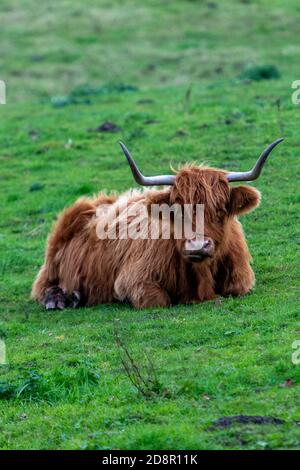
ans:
(221, 214)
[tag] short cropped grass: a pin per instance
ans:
(177, 81)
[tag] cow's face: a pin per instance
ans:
(200, 185)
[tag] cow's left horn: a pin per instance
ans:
(256, 170)
(146, 180)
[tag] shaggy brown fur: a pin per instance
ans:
(81, 269)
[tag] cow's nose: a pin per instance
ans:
(197, 250)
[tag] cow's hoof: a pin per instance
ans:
(74, 299)
(55, 299)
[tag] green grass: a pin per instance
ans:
(183, 80)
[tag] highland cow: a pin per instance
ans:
(81, 269)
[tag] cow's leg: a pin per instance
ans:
(142, 294)
(48, 288)
(205, 283)
(235, 277)
(50, 294)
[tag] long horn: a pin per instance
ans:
(146, 180)
(256, 170)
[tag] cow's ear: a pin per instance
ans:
(243, 199)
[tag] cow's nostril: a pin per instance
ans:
(206, 243)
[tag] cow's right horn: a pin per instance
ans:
(146, 180)
(253, 174)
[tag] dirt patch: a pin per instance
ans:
(151, 121)
(227, 421)
(107, 127)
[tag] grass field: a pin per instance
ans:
(181, 80)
